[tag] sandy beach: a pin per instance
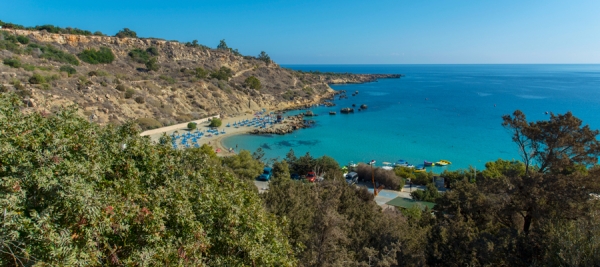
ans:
(214, 141)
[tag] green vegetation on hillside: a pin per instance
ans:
(52, 53)
(224, 73)
(126, 33)
(49, 28)
(252, 82)
(74, 193)
(92, 56)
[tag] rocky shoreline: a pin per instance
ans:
(289, 125)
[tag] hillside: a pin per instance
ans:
(191, 81)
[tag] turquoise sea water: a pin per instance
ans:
(437, 112)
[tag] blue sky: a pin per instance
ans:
(347, 32)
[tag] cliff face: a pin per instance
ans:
(126, 90)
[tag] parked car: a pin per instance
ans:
(295, 176)
(311, 177)
(266, 175)
(352, 178)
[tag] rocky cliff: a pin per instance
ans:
(180, 90)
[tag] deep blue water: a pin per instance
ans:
(435, 112)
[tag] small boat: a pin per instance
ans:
(332, 113)
(387, 166)
(372, 162)
(404, 163)
(443, 162)
(363, 106)
(420, 168)
(427, 163)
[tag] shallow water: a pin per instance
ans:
(436, 112)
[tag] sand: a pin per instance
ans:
(214, 141)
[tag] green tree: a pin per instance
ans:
(253, 82)
(215, 122)
(264, 57)
(192, 125)
(259, 154)
(281, 171)
(222, 45)
(554, 145)
(152, 64)
(430, 194)
(84, 195)
(126, 33)
(244, 165)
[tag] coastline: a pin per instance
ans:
(216, 142)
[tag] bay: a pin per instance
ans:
(434, 112)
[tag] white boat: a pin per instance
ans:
(351, 164)
(387, 166)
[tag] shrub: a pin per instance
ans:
(385, 177)
(140, 100)
(168, 79)
(129, 93)
(152, 64)
(201, 73)
(139, 55)
(92, 56)
(224, 73)
(37, 79)
(28, 67)
(121, 88)
(430, 194)
(253, 82)
(264, 57)
(148, 123)
(152, 51)
(52, 53)
(126, 33)
(22, 39)
(215, 122)
(12, 62)
(192, 125)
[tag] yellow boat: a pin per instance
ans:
(443, 162)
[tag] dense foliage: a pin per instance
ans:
(76, 194)
(52, 53)
(215, 122)
(93, 56)
(252, 82)
(224, 73)
(264, 57)
(126, 33)
(49, 28)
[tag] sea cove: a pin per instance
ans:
(436, 112)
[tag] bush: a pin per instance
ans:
(168, 79)
(22, 39)
(139, 55)
(37, 79)
(129, 93)
(430, 194)
(253, 82)
(121, 88)
(201, 73)
(54, 54)
(12, 62)
(92, 56)
(385, 177)
(192, 125)
(126, 33)
(152, 51)
(224, 73)
(140, 100)
(215, 122)
(152, 64)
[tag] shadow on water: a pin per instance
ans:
(294, 143)
(265, 146)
